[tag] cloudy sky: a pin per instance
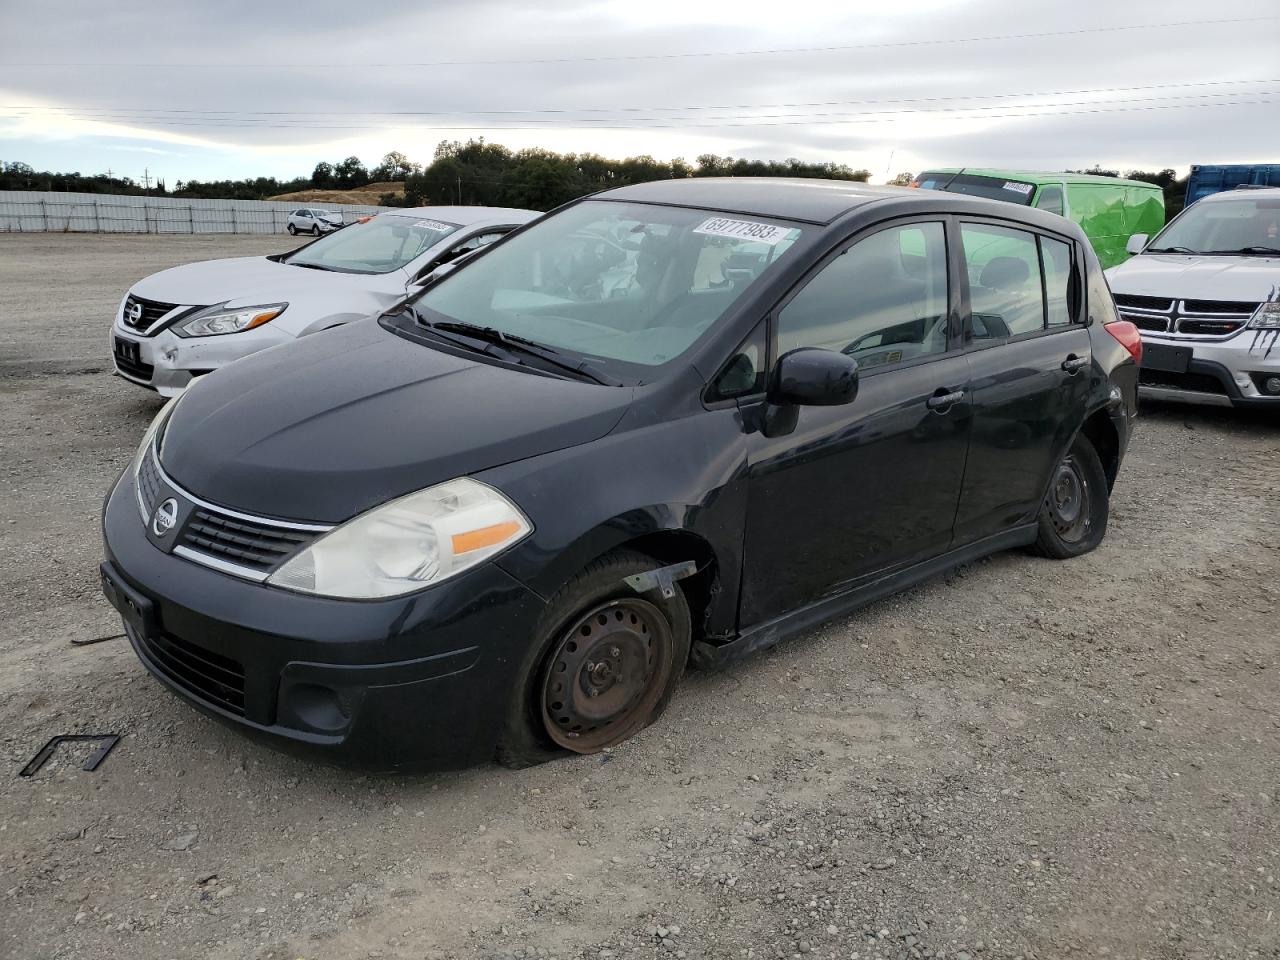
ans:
(235, 88)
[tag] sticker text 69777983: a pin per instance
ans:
(742, 230)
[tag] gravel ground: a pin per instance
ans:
(1022, 759)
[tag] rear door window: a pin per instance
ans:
(1055, 260)
(1019, 282)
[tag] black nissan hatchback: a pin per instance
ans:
(674, 421)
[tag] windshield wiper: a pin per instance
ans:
(1169, 250)
(1248, 250)
(309, 266)
(516, 344)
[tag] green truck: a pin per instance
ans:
(1109, 210)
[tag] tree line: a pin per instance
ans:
(472, 173)
(482, 173)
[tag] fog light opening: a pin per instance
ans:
(319, 707)
(1271, 385)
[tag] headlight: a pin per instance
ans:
(406, 544)
(219, 320)
(1267, 317)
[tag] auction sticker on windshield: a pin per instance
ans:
(742, 230)
(435, 225)
(1022, 188)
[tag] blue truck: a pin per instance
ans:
(1215, 177)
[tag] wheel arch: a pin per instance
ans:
(1100, 431)
(712, 601)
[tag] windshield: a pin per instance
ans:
(1240, 225)
(380, 245)
(992, 188)
(631, 284)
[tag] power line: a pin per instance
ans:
(884, 117)
(623, 58)
(118, 111)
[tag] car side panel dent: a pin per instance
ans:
(683, 479)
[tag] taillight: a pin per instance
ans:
(1127, 336)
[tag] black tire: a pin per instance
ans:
(315, 231)
(646, 636)
(1073, 516)
(293, 231)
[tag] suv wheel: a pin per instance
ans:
(605, 666)
(293, 231)
(315, 231)
(1073, 516)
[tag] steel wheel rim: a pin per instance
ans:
(1070, 501)
(606, 674)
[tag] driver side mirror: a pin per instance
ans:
(431, 276)
(813, 377)
(1137, 243)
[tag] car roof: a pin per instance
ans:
(1043, 176)
(1241, 193)
(466, 216)
(812, 201)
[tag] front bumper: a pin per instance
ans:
(168, 363)
(414, 683)
(1222, 372)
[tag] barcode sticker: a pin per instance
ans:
(1022, 188)
(434, 225)
(742, 230)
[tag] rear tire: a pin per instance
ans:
(604, 666)
(1073, 515)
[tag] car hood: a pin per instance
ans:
(247, 281)
(1197, 278)
(328, 426)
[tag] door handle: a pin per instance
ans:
(1074, 364)
(940, 399)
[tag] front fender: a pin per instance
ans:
(686, 476)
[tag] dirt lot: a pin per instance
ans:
(1023, 759)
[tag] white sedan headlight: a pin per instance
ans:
(1267, 317)
(220, 320)
(407, 544)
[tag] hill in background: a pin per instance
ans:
(370, 194)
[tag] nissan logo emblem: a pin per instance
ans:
(133, 311)
(165, 517)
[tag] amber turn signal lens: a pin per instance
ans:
(484, 537)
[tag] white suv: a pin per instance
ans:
(313, 221)
(1206, 295)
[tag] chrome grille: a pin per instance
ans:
(256, 545)
(148, 484)
(1192, 319)
(1160, 304)
(235, 543)
(142, 315)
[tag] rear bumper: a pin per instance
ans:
(422, 682)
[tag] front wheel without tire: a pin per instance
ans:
(605, 666)
(1073, 516)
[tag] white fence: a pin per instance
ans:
(30, 211)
